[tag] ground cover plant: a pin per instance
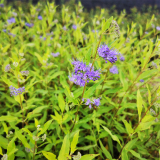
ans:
(78, 87)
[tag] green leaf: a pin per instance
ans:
(74, 142)
(105, 151)
(91, 90)
(36, 122)
(1, 151)
(11, 149)
(139, 103)
(55, 75)
(64, 152)
(128, 127)
(46, 126)
(114, 137)
(130, 144)
(124, 155)
(49, 155)
(89, 156)
(86, 147)
(123, 79)
(61, 102)
(4, 142)
(22, 138)
(8, 118)
(5, 127)
(137, 155)
(149, 95)
(19, 98)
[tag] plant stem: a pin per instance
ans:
(136, 126)
(86, 84)
(104, 81)
(35, 146)
(131, 86)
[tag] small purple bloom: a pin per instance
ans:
(4, 30)
(11, 34)
(2, 5)
(40, 17)
(107, 54)
(37, 9)
(55, 54)
(158, 28)
(114, 70)
(122, 58)
(7, 68)
(29, 25)
(141, 80)
(74, 26)
(97, 102)
(16, 92)
(64, 28)
(25, 73)
(88, 101)
(44, 38)
(11, 20)
(94, 31)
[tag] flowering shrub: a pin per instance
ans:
(78, 87)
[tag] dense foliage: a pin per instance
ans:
(78, 85)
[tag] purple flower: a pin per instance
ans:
(114, 70)
(64, 28)
(141, 80)
(88, 101)
(95, 102)
(2, 5)
(94, 31)
(55, 54)
(158, 28)
(7, 68)
(11, 20)
(11, 34)
(4, 30)
(37, 9)
(74, 26)
(83, 73)
(40, 17)
(44, 38)
(16, 92)
(108, 54)
(29, 25)
(25, 73)
(122, 58)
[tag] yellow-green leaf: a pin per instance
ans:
(49, 155)
(139, 104)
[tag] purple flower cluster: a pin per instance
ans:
(29, 24)
(83, 73)
(11, 34)
(74, 26)
(95, 102)
(25, 73)
(114, 70)
(158, 28)
(55, 54)
(11, 20)
(40, 17)
(141, 80)
(7, 68)
(16, 92)
(2, 5)
(107, 53)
